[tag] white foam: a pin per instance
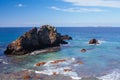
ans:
(4, 62)
(57, 68)
(115, 75)
(76, 78)
(73, 59)
(66, 44)
(75, 65)
(51, 71)
(46, 72)
(67, 62)
(1, 59)
(71, 74)
(48, 63)
(101, 41)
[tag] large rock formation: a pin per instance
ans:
(36, 39)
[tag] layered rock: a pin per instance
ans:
(36, 39)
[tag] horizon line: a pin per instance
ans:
(54, 26)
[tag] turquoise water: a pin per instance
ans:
(99, 60)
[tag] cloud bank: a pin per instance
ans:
(77, 9)
(97, 3)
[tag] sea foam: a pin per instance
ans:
(102, 41)
(61, 71)
(57, 69)
(115, 75)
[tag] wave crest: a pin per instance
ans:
(115, 75)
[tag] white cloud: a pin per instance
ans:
(98, 3)
(55, 8)
(77, 9)
(20, 5)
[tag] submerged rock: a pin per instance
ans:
(58, 61)
(54, 73)
(93, 41)
(83, 50)
(79, 62)
(40, 63)
(26, 77)
(67, 70)
(36, 39)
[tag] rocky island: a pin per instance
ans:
(44, 39)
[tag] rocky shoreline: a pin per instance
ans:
(31, 75)
(43, 40)
(54, 73)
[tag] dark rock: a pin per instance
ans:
(64, 42)
(66, 37)
(83, 50)
(36, 39)
(93, 41)
(67, 70)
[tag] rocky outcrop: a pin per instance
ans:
(93, 41)
(36, 39)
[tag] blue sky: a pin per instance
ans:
(60, 13)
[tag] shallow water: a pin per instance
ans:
(100, 61)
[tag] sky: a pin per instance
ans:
(59, 13)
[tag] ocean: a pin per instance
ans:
(100, 61)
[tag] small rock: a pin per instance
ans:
(58, 61)
(83, 50)
(67, 70)
(40, 63)
(66, 37)
(93, 41)
(79, 62)
(26, 77)
(54, 73)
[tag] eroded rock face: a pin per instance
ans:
(36, 39)
(93, 41)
